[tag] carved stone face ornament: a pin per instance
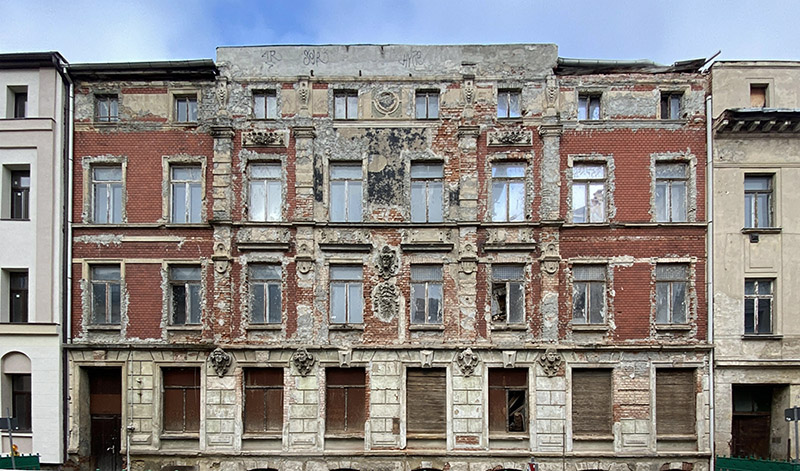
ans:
(387, 262)
(550, 361)
(303, 361)
(220, 361)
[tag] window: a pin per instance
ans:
(347, 296)
(18, 296)
(757, 201)
(181, 390)
(345, 105)
(758, 95)
(107, 195)
(263, 400)
(265, 294)
(21, 400)
(266, 194)
(185, 295)
(265, 104)
(675, 401)
(426, 399)
(20, 100)
(588, 294)
(670, 197)
(186, 109)
(186, 194)
(671, 105)
(508, 192)
(427, 105)
(346, 193)
(346, 406)
(508, 102)
(508, 403)
(508, 294)
(426, 294)
(588, 193)
(105, 294)
(591, 402)
(20, 194)
(106, 108)
(758, 296)
(672, 281)
(588, 107)
(426, 192)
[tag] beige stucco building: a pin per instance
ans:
(33, 111)
(756, 221)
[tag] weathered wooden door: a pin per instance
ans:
(105, 408)
(750, 435)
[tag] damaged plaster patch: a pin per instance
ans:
(101, 239)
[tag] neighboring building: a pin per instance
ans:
(390, 258)
(756, 221)
(34, 133)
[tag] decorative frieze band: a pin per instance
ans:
(265, 138)
(516, 137)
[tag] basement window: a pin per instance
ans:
(588, 107)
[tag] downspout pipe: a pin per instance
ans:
(710, 274)
(66, 278)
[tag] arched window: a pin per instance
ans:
(16, 368)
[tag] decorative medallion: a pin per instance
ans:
(550, 361)
(550, 259)
(386, 102)
(387, 262)
(516, 137)
(386, 301)
(220, 361)
(303, 361)
(467, 361)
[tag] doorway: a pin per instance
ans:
(105, 410)
(752, 417)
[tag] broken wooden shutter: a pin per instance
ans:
(675, 402)
(508, 389)
(591, 402)
(426, 394)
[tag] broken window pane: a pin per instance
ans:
(588, 297)
(508, 391)
(508, 298)
(671, 105)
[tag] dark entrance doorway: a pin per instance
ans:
(105, 409)
(752, 415)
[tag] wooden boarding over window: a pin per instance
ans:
(426, 400)
(675, 399)
(591, 402)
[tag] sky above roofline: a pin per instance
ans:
(154, 30)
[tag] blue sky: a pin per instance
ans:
(664, 31)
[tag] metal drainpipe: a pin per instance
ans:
(710, 274)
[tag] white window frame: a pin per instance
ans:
(426, 285)
(507, 183)
(268, 109)
(267, 283)
(512, 100)
(188, 186)
(349, 182)
(345, 104)
(423, 108)
(352, 316)
(585, 283)
(111, 201)
(666, 285)
(588, 183)
(273, 209)
(427, 182)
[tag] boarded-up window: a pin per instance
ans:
(263, 400)
(591, 402)
(346, 405)
(426, 400)
(508, 391)
(181, 399)
(675, 402)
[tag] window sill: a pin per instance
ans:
(588, 224)
(676, 438)
(516, 436)
(668, 327)
(346, 327)
(761, 230)
(185, 124)
(264, 327)
(14, 219)
(426, 327)
(762, 337)
(263, 119)
(509, 119)
(262, 436)
(177, 225)
(111, 327)
(593, 438)
(426, 436)
(507, 327)
(180, 436)
(105, 123)
(188, 328)
(346, 436)
(589, 327)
